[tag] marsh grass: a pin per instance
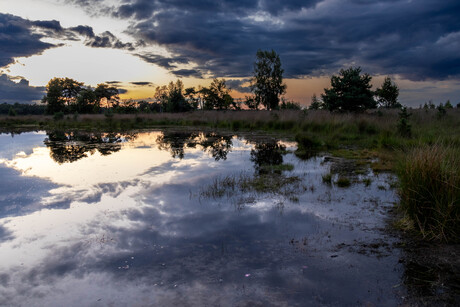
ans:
(430, 190)
(236, 184)
(327, 178)
(343, 182)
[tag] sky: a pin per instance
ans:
(137, 45)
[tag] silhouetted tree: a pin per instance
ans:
(104, 91)
(86, 102)
(316, 104)
(387, 95)
(217, 96)
(251, 102)
(289, 105)
(60, 92)
(267, 82)
(350, 91)
(172, 97)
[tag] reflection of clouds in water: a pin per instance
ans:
(142, 237)
(12, 144)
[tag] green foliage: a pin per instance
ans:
(289, 105)
(12, 112)
(387, 95)
(86, 102)
(429, 188)
(67, 95)
(404, 128)
(217, 96)
(267, 82)
(441, 111)
(327, 178)
(350, 91)
(316, 104)
(58, 116)
(448, 105)
(251, 102)
(343, 182)
(172, 97)
(110, 93)
(22, 109)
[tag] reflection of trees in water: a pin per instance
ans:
(73, 146)
(217, 146)
(266, 154)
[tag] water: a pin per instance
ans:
(124, 219)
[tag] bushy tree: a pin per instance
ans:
(289, 105)
(217, 96)
(171, 97)
(86, 102)
(316, 104)
(104, 91)
(387, 95)
(350, 91)
(60, 93)
(267, 82)
(251, 103)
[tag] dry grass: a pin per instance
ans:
(430, 190)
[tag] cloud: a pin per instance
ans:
(414, 39)
(21, 92)
(142, 83)
(18, 40)
(23, 38)
(162, 61)
(187, 73)
(237, 85)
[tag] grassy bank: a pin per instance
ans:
(426, 160)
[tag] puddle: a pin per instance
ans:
(124, 219)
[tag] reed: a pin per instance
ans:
(430, 190)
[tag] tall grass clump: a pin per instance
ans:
(430, 191)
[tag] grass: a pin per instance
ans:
(327, 178)
(430, 191)
(233, 185)
(343, 182)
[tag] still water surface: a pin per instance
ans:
(124, 219)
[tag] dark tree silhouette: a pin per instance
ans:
(61, 92)
(267, 82)
(387, 95)
(350, 91)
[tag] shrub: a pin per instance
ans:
(404, 128)
(12, 112)
(430, 190)
(343, 182)
(58, 116)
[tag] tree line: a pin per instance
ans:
(350, 91)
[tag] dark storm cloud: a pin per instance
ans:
(416, 39)
(107, 40)
(18, 40)
(22, 38)
(165, 62)
(142, 83)
(11, 92)
(187, 73)
(237, 85)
